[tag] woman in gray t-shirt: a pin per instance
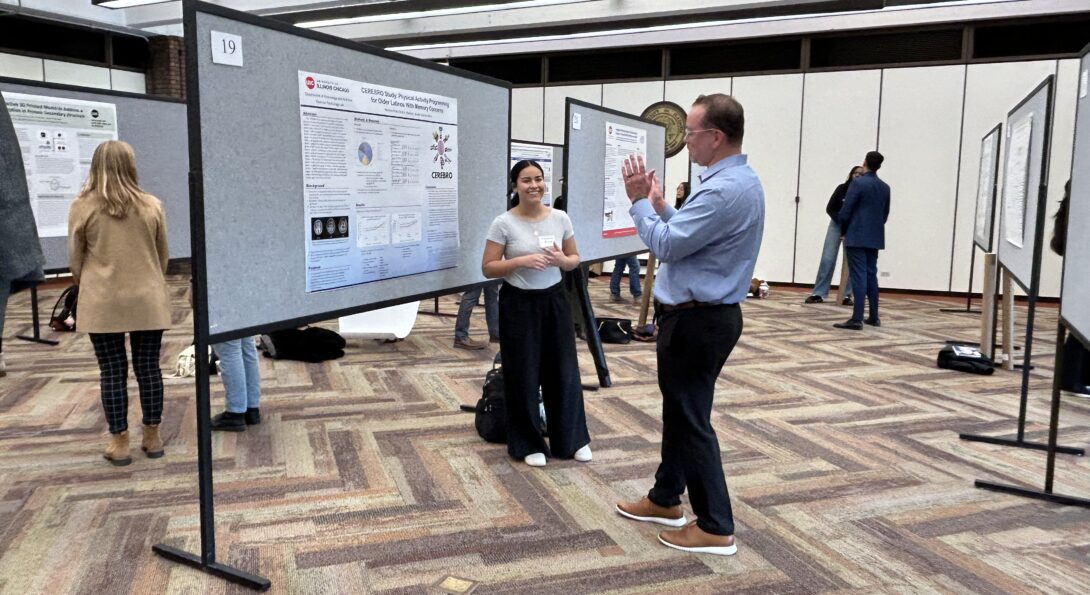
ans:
(529, 246)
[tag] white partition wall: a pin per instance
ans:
(772, 105)
(918, 135)
(528, 113)
(991, 90)
(632, 97)
(839, 126)
(555, 98)
(683, 93)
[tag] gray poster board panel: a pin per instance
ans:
(584, 166)
(251, 167)
(1023, 262)
(156, 129)
(556, 182)
(984, 226)
(1075, 297)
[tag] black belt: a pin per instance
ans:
(692, 304)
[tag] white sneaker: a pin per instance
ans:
(583, 454)
(535, 460)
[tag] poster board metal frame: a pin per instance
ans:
(181, 245)
(206, 560)
(996, 136)
(568, 187)
(1076, 285)
(264, 197)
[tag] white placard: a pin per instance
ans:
(226, 49)
(543, 155)
(577, 121)
(1016, 178)
(1083, 83)
(57, 138)
(380, 181)
(621, 141)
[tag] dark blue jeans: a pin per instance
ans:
(863, 268)
(633, 264)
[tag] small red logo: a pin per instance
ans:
(310, 82)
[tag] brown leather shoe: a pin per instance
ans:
(647, 511)
(117, 450)
(152, 445)
(693, 539)
(469, 344)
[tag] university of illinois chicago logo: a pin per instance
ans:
(310, 82)
(441, 148)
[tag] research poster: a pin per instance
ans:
(380, 181)
(57, 138)
(984, 188)
(621, 141)
(1016, 179)
(544, 156)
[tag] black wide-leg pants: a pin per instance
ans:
(538, 346)
(692, 347)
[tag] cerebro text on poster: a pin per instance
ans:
(380, 181)
(1016, 177)
(543, 155)
(621, 141)
(57, 138)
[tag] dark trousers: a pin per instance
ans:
(1076, 367)
(538, 346)
(114, 370)
(863, 269)
(692, 347)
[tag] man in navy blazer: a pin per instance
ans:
(862, 222)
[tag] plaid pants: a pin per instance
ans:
(114, 369)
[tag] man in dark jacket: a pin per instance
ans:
(862, 221)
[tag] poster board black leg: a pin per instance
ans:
(594, 342)
(36, 337)
(250, 581)
(1030, 493)
(437, 313)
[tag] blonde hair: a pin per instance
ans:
(112, 178)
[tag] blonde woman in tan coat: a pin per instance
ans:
(117, 250)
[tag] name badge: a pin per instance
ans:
(546, 241)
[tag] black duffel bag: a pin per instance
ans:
(614, 330)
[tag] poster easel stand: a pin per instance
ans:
(1051, 448)
(1008, 321)
(648, 289)
(436, 311)
(36, 336)
(594, 342)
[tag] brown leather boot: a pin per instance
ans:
(647, 511)
(152, 444)
(117, 450)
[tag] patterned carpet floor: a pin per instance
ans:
(840, 449)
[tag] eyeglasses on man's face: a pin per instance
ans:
(689, 133)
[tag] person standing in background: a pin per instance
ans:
(863, 225)
(491, 316)
(682, 193)
(117, 252)
(831, 249)
(619, 265)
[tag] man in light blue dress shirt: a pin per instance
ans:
(708, 249)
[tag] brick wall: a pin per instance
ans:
(166, 67)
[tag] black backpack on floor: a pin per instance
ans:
(965, 359)
(490, 413)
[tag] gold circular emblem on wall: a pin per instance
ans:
(670, 115)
